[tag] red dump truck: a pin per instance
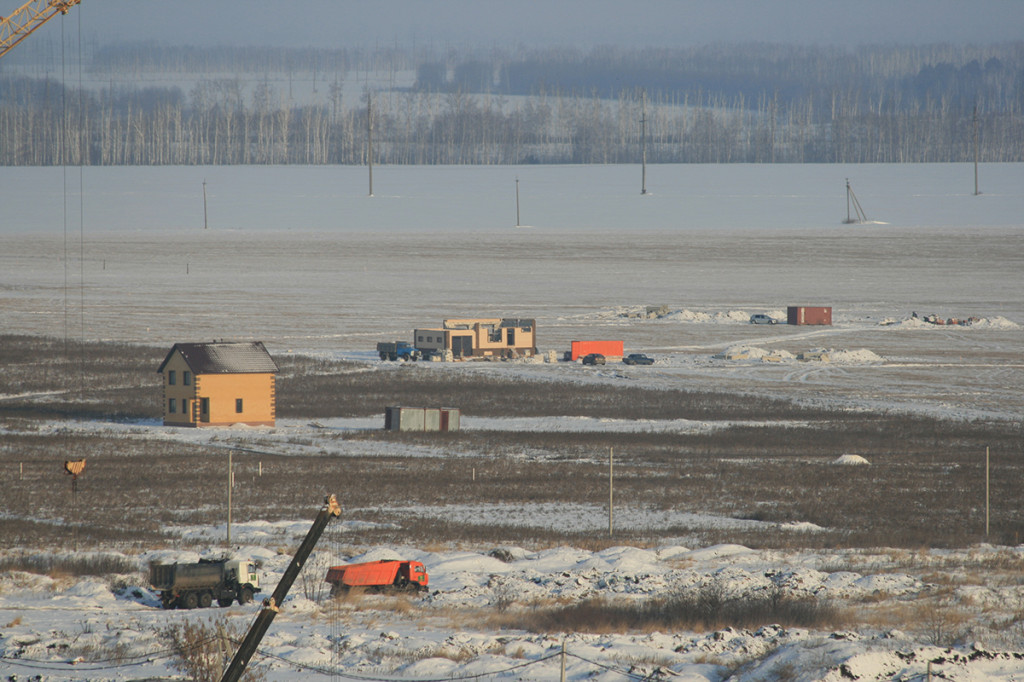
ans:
(378, 575)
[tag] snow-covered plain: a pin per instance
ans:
(303, 260)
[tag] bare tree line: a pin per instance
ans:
(710, 106)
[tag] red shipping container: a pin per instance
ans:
(808, 315)
(609, 349)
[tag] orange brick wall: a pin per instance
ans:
(257, 391)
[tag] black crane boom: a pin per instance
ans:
(272, 605)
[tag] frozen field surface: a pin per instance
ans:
(302, 259)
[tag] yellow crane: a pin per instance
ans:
(27, 18)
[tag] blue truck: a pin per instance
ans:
(397, 350)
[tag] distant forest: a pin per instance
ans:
(752, 103)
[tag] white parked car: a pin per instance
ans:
(762, 319)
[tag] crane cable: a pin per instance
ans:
(63, 150)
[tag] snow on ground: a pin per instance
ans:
(109, 628)
(301, 259)
(850, 459)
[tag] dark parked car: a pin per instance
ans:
(593, 359)
(637, 359)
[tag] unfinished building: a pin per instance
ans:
(480, 338)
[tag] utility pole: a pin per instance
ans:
(230, 481)
(987, 491)
(517, 201)
(205, 225)
(610, 492)
(643, 142)
(369, 136)
(976, 192)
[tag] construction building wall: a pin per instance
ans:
(481, 337)
(213, 399)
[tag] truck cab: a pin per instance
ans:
(242, 571)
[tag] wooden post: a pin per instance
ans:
(610, 492)
(205, 223)
(562, 675)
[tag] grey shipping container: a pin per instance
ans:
(421, 419)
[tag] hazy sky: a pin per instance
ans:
(582, 23)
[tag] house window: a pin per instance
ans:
(184, 406)
(238, 405)
(171, 377)
(204, 405)
(186, 378)
(172, 405)
(421, 337)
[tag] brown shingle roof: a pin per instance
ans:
(224, 357)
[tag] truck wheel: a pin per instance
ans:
(167, 601)
(223, 603)
(245, 596)
(189, 600)
(205, 600)
(383, 356)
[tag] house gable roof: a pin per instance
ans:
(224, 357)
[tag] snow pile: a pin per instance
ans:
(998, 322)
(428, 638)
(687, 315)
(862, 356)
(754, 353)
(720, 317)
(850, 460)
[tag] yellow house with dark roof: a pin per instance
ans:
(219, 384)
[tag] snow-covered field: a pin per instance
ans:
(904, 609)
(301, 259)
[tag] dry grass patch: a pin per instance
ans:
(705, 609)
(922, 489)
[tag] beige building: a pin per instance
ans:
(481, 337)
(219, 384)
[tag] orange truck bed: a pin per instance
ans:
(384, 573)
